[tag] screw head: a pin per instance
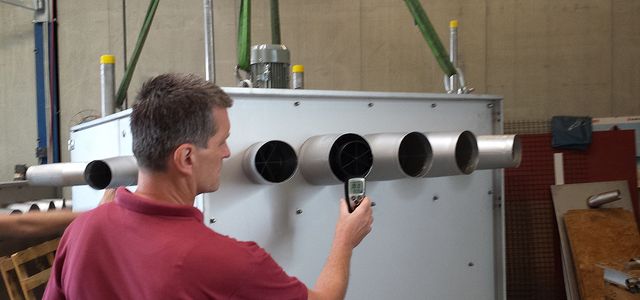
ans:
(299, 211)
(212, 220)
(435, 197)
(490, 105)
(370, 104)
(297, 103)
(470, 264)
(433, 105)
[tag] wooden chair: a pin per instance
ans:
(10, 278)
(20, 260)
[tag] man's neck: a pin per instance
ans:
(165, 188)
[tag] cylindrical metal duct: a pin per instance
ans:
(270, 66)
(107, 84)
(209, 46)
(112, 172)
(454, 153)
(24, 207)
(270, 162)
(58, 174)
(399, 155)
(499, 151)
(332, 159)
(603, 198)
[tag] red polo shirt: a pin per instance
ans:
(135, 248)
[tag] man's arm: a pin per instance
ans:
(35, 224)
(42, 224)
(350, 230)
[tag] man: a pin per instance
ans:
(152, 244)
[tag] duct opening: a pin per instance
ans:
(275, 161)
(350, 156)
(466, 152)
(516, 153)
(415, 154)
(98, 174)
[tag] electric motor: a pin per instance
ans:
(270, 66)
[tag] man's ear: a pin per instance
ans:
(183, 158)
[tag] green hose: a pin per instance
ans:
(244, 35)
(142, 36)
(431, 36)
(275, 23)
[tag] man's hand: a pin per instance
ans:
(109, 195)
(353, 227)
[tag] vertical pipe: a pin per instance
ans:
(275, 22)
(40, 93)
(53, 85)
(107, 85)
(453, 54)
(124, 46)
(209, 45)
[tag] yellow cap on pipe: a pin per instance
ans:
(107, 59)
(297, 69)
(453, 23)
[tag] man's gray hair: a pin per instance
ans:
(170, 110)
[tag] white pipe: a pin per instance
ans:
(112, 172)
(107, 85)
(454, 153)
(270, 162)
(58, 174)
(499, 151)
(399, 155)
(323, 159)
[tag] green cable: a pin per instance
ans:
(244, 35)
(142, 36)
(275, 22)
(431, 36)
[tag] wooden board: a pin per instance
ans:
(574, 196)
(599, 236)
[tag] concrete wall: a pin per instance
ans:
(18, 137)
(547, 57)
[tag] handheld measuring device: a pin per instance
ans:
(354, 190)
